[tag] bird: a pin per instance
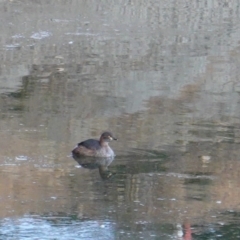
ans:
(95, 148)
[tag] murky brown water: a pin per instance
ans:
(163, 77)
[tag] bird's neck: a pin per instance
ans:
(103, 143)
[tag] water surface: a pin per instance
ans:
(163, 77)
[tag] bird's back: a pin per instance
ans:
(89, 147)
(92, 144)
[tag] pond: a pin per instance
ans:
(163, 77)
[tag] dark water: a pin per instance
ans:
(162, 76)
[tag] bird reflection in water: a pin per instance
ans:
(93, 163)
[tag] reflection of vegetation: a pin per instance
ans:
(60, 217)
(157, 154)
(17, 108)
(198, 197)
(150, 154)
(137, 167)
(17, 94)
(231, 215)
(230, 231)
(14, 101)
(161, 230)
(198, 181)
(11, 103)
(227, 133)
(26, 89)
(202, 133)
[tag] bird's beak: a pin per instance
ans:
(112, 138)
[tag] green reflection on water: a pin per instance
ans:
(226, 232)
